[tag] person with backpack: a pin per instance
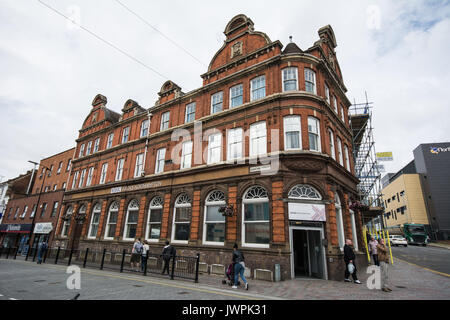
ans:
(136, 254)
(239, 267)
(168, 252)
(145, 252)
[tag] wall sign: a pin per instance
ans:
(306, 211)
(43, 228)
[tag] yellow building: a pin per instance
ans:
(404, 202)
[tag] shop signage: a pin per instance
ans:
(306, 211)
(436, 150)
(260, 168)
(15, 228)
(43, 228)
(385, 156)
(136, 187)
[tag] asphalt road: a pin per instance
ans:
(437, 259)
(21, 280)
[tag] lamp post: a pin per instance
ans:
(37, 206)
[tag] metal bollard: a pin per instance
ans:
(173, 268)
(35, 252)
(57, 255)
(70, 257)
(103, 259)
(123, 259)
(197, 264)
(15, 254)
(7, 253)
(85, 257)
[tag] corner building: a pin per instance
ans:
(266, 138)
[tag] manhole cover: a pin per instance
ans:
(400, 287)
(183, 292)
(137, 286)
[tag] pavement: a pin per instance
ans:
(440, 244)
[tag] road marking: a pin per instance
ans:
(200, 289)
(431, 270)
(12, 299)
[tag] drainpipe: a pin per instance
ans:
(146, 141)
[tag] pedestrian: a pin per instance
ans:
(145, 252)
(349, 257)
(239, 267)
(136, 254)
(42, 247)
(383, 257)
(168, 252)
(373, 250)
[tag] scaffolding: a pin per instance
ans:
(364, 155)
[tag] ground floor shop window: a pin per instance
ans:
(154, 219)
(131, 220)
(181, 219)
(255, 222)
(112, 220)
(214, 227)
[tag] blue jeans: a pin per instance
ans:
(239, 271)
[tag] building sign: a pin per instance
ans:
(436, 150)
(260, 168)
(43, 228)
(136, 187)
(385, 156)
(306, 211)
(15, 228)
(381, 167)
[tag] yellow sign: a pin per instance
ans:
(385, 156)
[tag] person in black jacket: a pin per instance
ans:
(239, 267)
(349, 257)
(168, 252)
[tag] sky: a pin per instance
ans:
(50, 69)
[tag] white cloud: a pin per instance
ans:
(50, 73)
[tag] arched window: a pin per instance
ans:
(129, 233)
(66, 225)
(154, 219)
(94, 221)
(111, 222)
(82, 210)
(181, 219)
(304, 192)
(214, 221)
(255, 222)
(339, 221)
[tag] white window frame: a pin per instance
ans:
(236, 92)
(327, 93)
(347, 159)
(54, 209)
(284, 73)
(335, 106)
(339, 147)
(339, 221)
(310, 78)
(316, 134)
(119, 169)
(234, 138)
(88, 148)
(165, 121)
(66, 225)
(82, 175)
(184, 204)
(113, 208)
(126, 134)
(89, 177)
(289, 126)
(354, 233)
(139, 167)
(342, 113)
(214, 148)
(24, 213)
(255, 91)
(217, 100)
(96, 210)
(132, 207)
(59, 167)
(160, 160)
(96, 145)
(256, 129)
(186, 155)
(81, 151)
(221, 202)
(189, 107)
(243, 222)
(157, 203)
(110, 140)
(332, 145)
(145, 128)
(103, 173)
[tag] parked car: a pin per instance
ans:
(398, 241)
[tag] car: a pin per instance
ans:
(397, 241)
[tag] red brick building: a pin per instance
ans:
(267, 137)
(40, 199)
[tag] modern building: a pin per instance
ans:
(35, 206)
(260, 155)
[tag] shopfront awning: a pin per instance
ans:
(15, 228)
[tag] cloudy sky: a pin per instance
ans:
(50, 70)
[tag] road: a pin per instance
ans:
(436, 259)
(21, 280)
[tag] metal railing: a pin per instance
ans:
(177, 266)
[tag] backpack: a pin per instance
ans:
(138, 247)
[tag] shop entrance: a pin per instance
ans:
(307, 254)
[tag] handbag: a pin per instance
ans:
(351, 268)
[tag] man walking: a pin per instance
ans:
(383, 257)
(373, 250)
(349, 257)
(145, 251)
(239, 267)
(42, 247)
(136, 254)
(168, 252)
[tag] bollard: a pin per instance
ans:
(103, 259)
(7, 253)
(45, 254)
(85, 257)
(15, 254)
(277, 272)
(173, 268)
(123, 259)
(70, 257)
(197, 263)
(34, 254)
(57, 255)
(146, 262)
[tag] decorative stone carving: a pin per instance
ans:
(236, 49)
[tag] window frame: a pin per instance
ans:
(205, 222)
(232, 142)
(133, 206)
(184, 164)
(96, 145)
(154, 206)
(284, 80)
(285, 126)
(158, 161)
(213, 149)
(126, 134)
(332, 144)
(165, 121)
(243, 222)
(119, 169)
(114, 207)
(90, 176)
(139, 166)
(175, 207)
(145, 128)
(254, 91)
(109, 142)
(217, 103)
(103, 173)
(317, 134)
(313, 82)
(94, 212)
(252, 138)
(189, 107)
(340, 153)
(234, 97)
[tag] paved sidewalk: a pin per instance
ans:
(440, 244)
(407, 282)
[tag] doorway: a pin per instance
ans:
(307, 253)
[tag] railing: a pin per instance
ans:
(177, 266)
